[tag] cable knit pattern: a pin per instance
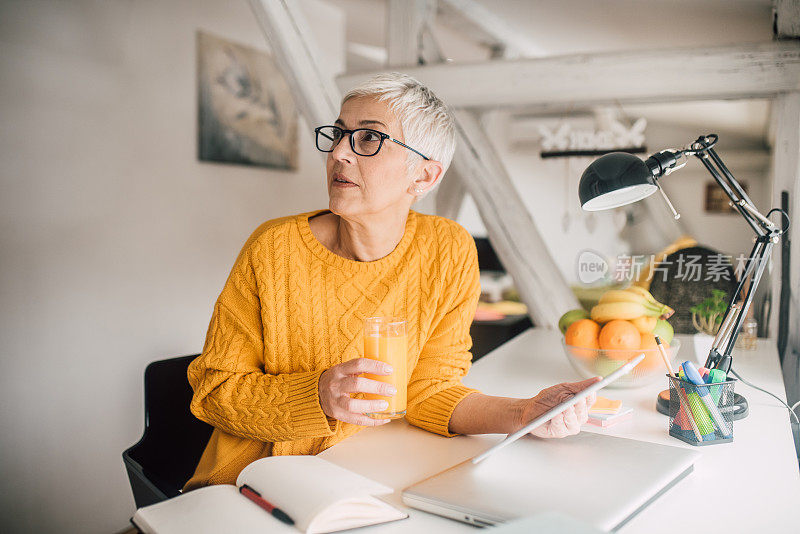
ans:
(291, 309)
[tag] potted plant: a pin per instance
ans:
(707, 318)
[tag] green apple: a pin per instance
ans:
(663, 330)
(570, 317)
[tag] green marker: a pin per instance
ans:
(704, 423)
(716, 376)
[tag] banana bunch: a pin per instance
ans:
(629, 304)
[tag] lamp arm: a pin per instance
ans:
(767, 234)
(720, 354)
(728, 186)
(731, 180)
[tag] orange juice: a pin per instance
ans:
(385, 340)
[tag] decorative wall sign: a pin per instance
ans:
(716, 199)
(246, 114)
(566, 142)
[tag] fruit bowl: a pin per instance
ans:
(600, 362)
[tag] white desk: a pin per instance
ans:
(751, 484)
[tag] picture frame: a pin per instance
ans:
(246, 113)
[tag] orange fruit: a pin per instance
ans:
(652, 356)
(582, 334)
(620, 338)
(649, 342)
(644, 324)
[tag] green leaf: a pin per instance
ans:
(713, 305)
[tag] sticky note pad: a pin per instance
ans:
(604, 405)
(606, 420)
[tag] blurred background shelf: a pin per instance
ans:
(488, 334)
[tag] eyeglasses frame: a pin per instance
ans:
(383, 136)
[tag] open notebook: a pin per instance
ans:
(318, 495)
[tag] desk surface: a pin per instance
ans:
(752, 483)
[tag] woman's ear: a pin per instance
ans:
(427, 174)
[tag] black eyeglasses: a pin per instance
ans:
(363, 141)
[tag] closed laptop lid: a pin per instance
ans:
(600, 479)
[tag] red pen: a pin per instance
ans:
(256, 497)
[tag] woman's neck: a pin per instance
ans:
(359, 239)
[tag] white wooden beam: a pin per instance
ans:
(641, 76)
(786, 18)
(512, 231)
(405, 24)
(297, 54)
(482, 25)
(373, 54)
(431, 49)
(449, 196)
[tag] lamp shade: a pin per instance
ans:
(614, 180)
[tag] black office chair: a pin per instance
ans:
(173, 440)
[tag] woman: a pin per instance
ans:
(279, 373)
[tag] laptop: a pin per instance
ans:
(599, 479)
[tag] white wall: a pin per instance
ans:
(115, 240)
(726, 232)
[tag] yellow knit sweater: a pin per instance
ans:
(291, 309)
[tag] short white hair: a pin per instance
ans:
(426, 121)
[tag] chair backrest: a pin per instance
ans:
(686, 278)
(173, 440)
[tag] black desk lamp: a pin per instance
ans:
(619, 178)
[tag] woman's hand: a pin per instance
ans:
(337, 383)
(566, 423)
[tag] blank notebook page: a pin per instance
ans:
(190, 513)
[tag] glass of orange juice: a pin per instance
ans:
(385, 340)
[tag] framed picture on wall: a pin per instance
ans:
(246, 114)
(716, 199)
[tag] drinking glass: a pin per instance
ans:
(385, 340)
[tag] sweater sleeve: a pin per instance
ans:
(435, 388)
(231, 390)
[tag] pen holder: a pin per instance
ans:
(701, 414)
